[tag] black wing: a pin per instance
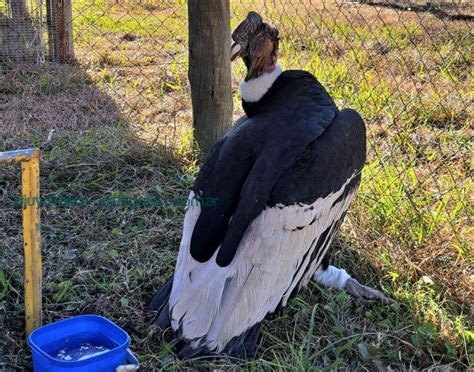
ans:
(245, 166)
(326, 164)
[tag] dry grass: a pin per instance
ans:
(122, 120)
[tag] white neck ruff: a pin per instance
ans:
(254, 89)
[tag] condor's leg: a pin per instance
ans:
(332, 277)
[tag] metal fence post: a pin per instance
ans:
(29, 160)
(60, 37)
(31, 242)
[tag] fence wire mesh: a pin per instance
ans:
(22, 34)
(34, 31)
(405, 66)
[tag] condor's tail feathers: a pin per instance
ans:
(242, 346)
(160, 304)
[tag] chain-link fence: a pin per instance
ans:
(34, 31)
(22, 34)
(404, 65)
(110, 212)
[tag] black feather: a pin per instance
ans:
(294, 113)
(161, 297)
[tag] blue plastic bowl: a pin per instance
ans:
(48, 342)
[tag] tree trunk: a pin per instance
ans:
(209, 70)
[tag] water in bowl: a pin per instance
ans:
(80, 346)
(82, 351)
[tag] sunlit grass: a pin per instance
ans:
(411, 88)
(409, 232)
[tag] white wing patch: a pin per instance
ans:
(210, 305)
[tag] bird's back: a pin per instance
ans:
(325, 164)
(282, 181)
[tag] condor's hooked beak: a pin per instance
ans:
(242, 35)
(235, 51)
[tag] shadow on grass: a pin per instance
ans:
(111, 206)
(111, 224)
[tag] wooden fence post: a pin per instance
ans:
(60, 38)
(209, 70)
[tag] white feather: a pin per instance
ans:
(211, 304)
(332, 277)
(254, 89)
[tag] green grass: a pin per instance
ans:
(123, 133)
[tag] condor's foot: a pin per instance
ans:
(332, 277)
(364, 293)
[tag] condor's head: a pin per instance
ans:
(257, 43)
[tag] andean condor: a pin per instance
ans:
(281, 181)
